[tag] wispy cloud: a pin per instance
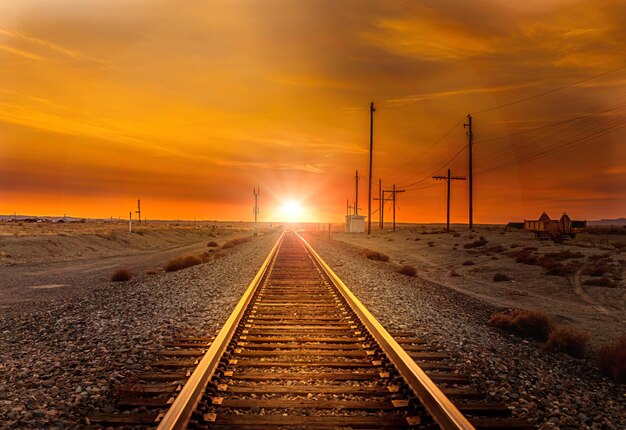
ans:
(20, 52)
(415, 98)
(40, 49)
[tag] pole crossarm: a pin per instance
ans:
(445, 178)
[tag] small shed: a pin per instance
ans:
(355, 224)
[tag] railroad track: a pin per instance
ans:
(301, 351)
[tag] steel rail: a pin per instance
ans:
(185, 403)
(434, 400)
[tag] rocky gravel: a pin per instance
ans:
(553, 391)
(61, 361)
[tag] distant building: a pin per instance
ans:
(355, 224)
(545, 227)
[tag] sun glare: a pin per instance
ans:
(291, 211)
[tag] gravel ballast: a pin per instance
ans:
(60, 362)
(553, 391)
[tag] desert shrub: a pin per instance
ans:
(121, 275)
(152, 272)
(600, 282)
(569, 340)
(595, 271)
(525, 257)
(555, 268)
(375, 255)
(476, 244)
(234, 242)
(182, 263)
(564, 255)
(514, 245)
(456, 235)
(532, 324)
(500, 277)
(453, 273)
(468, 263)
(494, 249)
(408, 270)
(212, 244)
(611, 359)
(431, 244)
(418, 239)
(603, 256)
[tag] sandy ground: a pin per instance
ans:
(42, 262)
(442, 257)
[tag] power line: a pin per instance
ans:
(437, 142)
(554, 90)
(554, 124)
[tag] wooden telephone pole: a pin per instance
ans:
(369, 193)
(392, 196)
(138, 211)
(470, 137)
(356, 193)
(449, 179)
(255, 210)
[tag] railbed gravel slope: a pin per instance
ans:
(59, 364)
(553, 391)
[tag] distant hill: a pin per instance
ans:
(617, 221)
(34, 217)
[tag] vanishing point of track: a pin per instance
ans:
(301, 351)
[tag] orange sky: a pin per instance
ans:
(189, 105)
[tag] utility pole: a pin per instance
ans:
(380, 203)
(384, 199)
(470, 137)
(381, 207)
(255, 210)
(393, 197)
(369, 193)
(130, 221)
(449, 179)
(356, 193)
(138, 211)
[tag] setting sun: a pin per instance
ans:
(291, 211)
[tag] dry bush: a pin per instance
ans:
(375, 255)
(600, 282)
(611, 359)
(532, 324)
(476, 244)
(417, 239)
(121, 275)
(408, 270)
(152, 272)
(456, 235)
(212, 244)
(182, 263)
(569, 340)
(564, 255)
(494, 249)
(431, 244)
(453, 273)
(468, 263)
(500, 277)
(595, 271)
(234, 242)
(603, 256)
(525, 257)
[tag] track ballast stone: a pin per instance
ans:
(553, 391)
(61, 363)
